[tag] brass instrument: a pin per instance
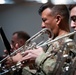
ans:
(36, 40)
(30, 44)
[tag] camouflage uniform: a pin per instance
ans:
(27, 71)
(46, 63)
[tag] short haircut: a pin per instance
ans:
(56, 9)
(44, 6)
(22, 35)
(71, 6)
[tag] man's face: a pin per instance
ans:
(73, 17)
(48, 21)
(15, 42)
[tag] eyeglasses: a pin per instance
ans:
(73, 18)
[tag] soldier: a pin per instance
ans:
(72, 9)
(18, 39)
(73, 16)
(56, 18)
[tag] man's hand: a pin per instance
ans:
(29, 56)
(10, 61)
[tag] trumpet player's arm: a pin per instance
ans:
(11, 60)
(17, 57)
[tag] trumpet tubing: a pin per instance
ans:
(67, 35)
(50, 42)
(30, 44)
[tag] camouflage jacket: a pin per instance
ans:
(27, 71)
(47, 62)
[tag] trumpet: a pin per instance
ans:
(49, 42)
(36, 40)
(30, 44)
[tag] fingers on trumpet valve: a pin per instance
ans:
(22, 53)
(23, 61)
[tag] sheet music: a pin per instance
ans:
(5, 40)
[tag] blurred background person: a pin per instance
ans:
(73, 16)
(18, 39)
(72, 9)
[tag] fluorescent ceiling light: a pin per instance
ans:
(6, 1)
(2, 1)
(39, 1)
(42, 1)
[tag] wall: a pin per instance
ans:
(16, 17)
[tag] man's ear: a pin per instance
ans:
(58, 19)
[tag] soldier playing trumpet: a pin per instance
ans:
(56, 18)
